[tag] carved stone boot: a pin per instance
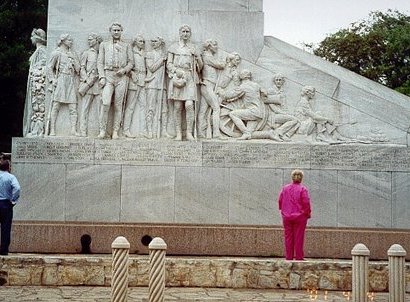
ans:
(74, 131)
(103, 120)
(164, 132)
(53, 118)
(189, 124)
(128, 134)
(101, 134)
(246, 135)
(189, 136)
(274, 136)
(178, 127)
(115, 134)
(127, 122)
(52, 129)
(149, 133)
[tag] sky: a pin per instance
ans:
(309, 21)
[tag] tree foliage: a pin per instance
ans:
(377, 48)
(17, 20)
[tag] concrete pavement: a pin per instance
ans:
(140, 294)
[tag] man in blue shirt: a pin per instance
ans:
(9, 195)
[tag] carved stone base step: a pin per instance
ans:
(201, 240)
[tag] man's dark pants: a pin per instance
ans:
(6, 217)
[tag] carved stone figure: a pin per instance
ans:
(136, 84)
(278, 116)
(209, 100)
(246, 116)
(320, 127)
(88, 88)
(63, 69)
(33, 124)
(156, 108)
(184, 55)
(115, 61)
(230, 74)
(228, 79)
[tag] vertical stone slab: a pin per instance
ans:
(202, 195)
(147, 194)
(400, 199)
(93, 193)
(43, 191)
(364, 199)
(253, 196)
(323, 189)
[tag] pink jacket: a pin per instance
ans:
(294, 201)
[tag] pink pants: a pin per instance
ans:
(294, 231)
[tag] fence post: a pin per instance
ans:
(397, 280)
(119, 280)
(157, 250)
(360, 272)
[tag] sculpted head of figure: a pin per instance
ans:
(38, 36)
(179, 73)
(211, 45)
(116, 30)
(157, 42)
(245, 74)
(139, 41)
(308, 91)
(297, 176)
(94, 39)
(236, 60)
(65, 39)
(185, 32)
(278, 79)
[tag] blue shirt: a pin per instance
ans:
(9, 187)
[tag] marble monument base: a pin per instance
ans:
(206, 197)
(208, 182)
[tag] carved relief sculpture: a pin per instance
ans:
(63, 69)
(115, 61)
(209, 105)
(278, 116)
(203, 92)
(314, 124)
(228, 79)
(185, 56)
(34, 111)
(136, 83)
(247, 108)
(156, 108)
(88, 88)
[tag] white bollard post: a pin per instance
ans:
(360, 272)
(397, 279)
(119, 280)
(157, 250)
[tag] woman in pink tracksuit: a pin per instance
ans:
(294, 204)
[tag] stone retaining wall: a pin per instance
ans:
(264, 273)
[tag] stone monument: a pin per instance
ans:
(219, 117)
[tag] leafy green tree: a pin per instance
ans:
(17, 20)
(377, 48)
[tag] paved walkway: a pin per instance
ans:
(140, 294)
